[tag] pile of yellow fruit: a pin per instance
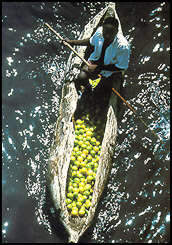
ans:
(83, 168)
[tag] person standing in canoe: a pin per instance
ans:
(111, 55)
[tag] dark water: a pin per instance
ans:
(135, 205)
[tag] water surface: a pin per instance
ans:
(135, 204)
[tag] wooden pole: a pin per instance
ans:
(131, 108)
(67, 44)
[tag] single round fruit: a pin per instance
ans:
(74, 212)
(69, 207)
(82, 212)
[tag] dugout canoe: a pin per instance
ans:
(63, 143)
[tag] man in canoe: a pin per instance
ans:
(111, 55)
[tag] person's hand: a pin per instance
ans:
(90, 67)
(65, 40)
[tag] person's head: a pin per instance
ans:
(110, 28)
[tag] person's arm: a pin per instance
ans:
(84, 42)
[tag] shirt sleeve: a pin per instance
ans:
(123, 57)
(95, 37)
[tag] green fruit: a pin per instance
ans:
(70, 189)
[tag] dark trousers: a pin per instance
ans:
(101, 93)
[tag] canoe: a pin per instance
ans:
(63, 144)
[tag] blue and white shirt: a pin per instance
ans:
(117, 53)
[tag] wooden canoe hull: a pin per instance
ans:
(64, 141)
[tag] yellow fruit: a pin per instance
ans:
(81, 189)
(74, 168)
(76, 149)
(86, 193)
(96, 149)
(69, 207)
(68, 201)
(73, 158)
(80, 143)
(80, 199)
(88, 204)
(75, 185)
(73, 205)
(79, 175)
(93, 153)
(89, 133)
(81, 131)
(78, 204)
(74, 173)
(87, 187)
(79, 121)
(85, 151)
(70, 195)
(82, 212)
(97, 158)
(88, 138)
(74, 212)
(83, 164)
(90, 172)
(76, 180)
(89, 179)
(83, 170)
(83, 126)
(93, 141)
(77, 163)
(89, 158)
(80, 159)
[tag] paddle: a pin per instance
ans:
(98, 80)
(67, 44)
(131, 108)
